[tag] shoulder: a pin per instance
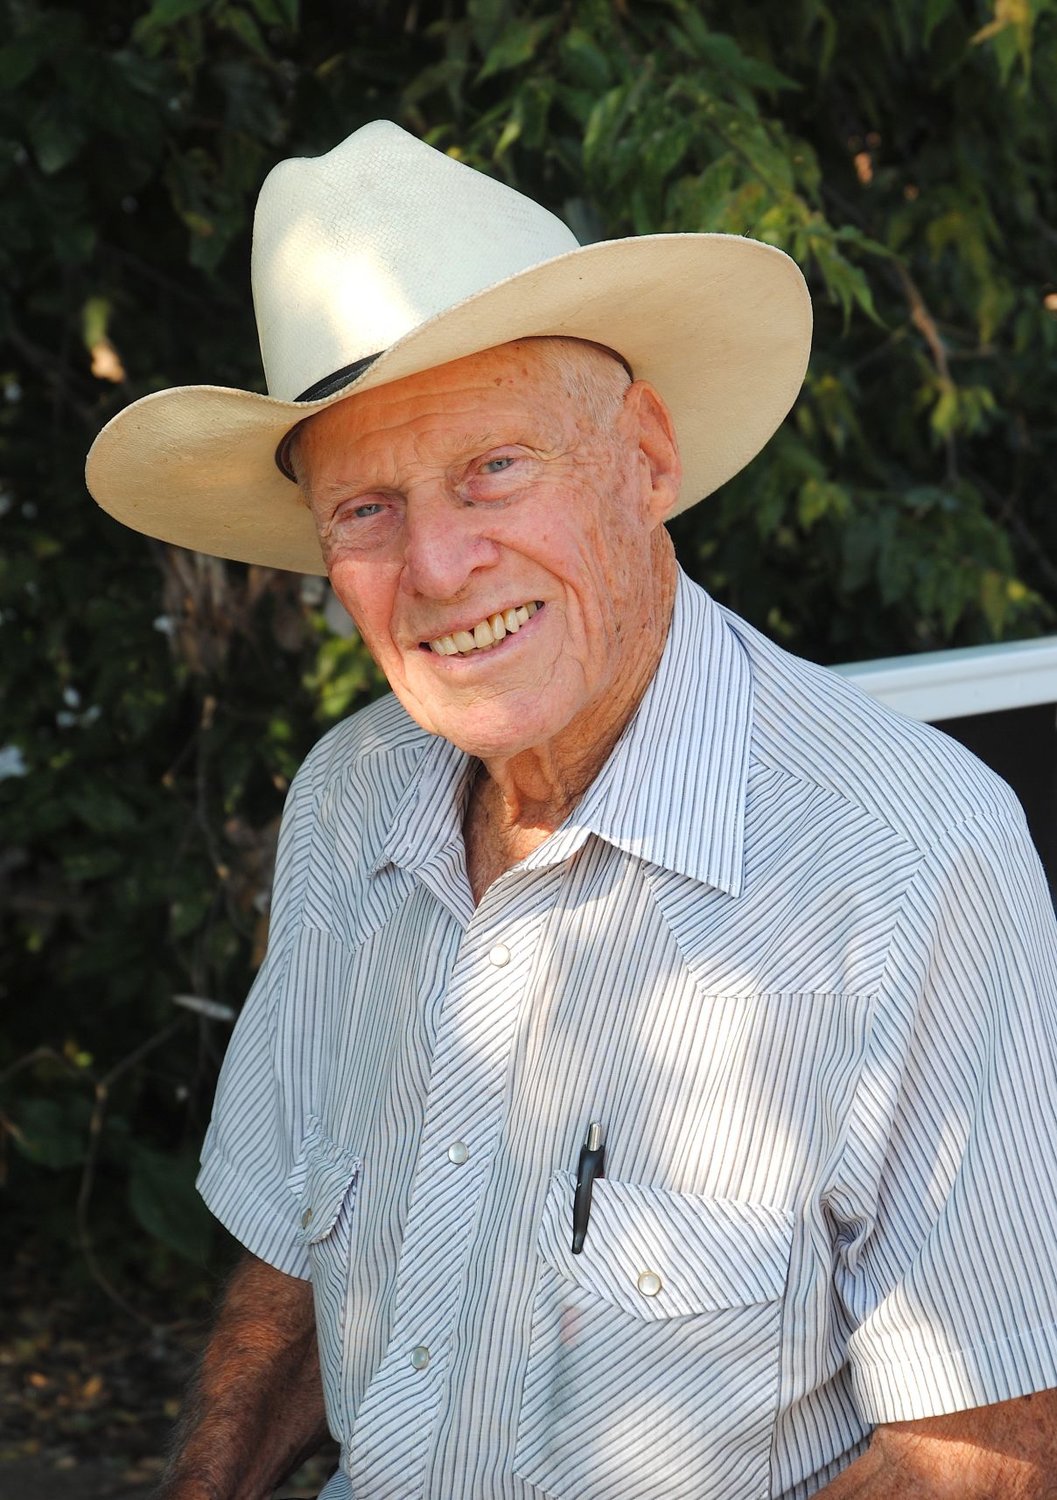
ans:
(381, 742)
(814, 727)
(338, 810)
(353, 779)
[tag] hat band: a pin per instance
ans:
(331, 383)
(325, 387)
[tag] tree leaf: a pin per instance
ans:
(51, 1133)
(275, 12)
(517, 44)
(587, 65)
(163, 1199)
(20, 58)
(820, 498)
(56, 135)
(165, 13)
(936, 12)
(488, 19)
(246, 29)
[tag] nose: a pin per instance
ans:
(445, 543)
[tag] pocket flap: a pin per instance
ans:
(707, 1253)
(329, 1174)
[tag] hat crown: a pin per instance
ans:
(354, 249)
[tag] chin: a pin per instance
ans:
(491, 725)
(493, 738)
(495, 744)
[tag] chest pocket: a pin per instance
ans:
(325, 1184)
(654, 1357)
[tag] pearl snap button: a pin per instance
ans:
(649, 1283)
(457, 1153)
(306, 1218)
(419, 1357)
(500, 955)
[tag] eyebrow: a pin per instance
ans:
(465, 445)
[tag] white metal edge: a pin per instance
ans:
(967, 680)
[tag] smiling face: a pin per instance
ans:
(493, 527)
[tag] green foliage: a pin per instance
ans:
(157, 704)
(163, 1198)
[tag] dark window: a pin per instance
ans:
(1021, 745)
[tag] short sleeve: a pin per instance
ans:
(247, 1157)
(947, 1253)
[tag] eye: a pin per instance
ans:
(364, 520)
(363, 509)
(498, 474)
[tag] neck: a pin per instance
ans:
(518, 800)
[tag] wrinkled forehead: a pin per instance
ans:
(575, 376)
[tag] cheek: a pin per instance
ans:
(367, 596)
(608, 570)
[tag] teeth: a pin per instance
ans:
(486, 633)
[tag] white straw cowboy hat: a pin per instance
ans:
(385, 257)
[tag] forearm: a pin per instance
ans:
(1002, 1452)
(874, 1476)
(255, 1406)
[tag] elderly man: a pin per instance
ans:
(649, 1091)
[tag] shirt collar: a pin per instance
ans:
(427, 820)
(673, 790)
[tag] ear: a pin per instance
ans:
(660, 466)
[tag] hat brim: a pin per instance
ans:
(719, 324)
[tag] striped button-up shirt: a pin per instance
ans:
(797, 956)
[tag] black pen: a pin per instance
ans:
(592, 1164)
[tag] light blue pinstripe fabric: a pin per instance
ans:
(798, 956)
